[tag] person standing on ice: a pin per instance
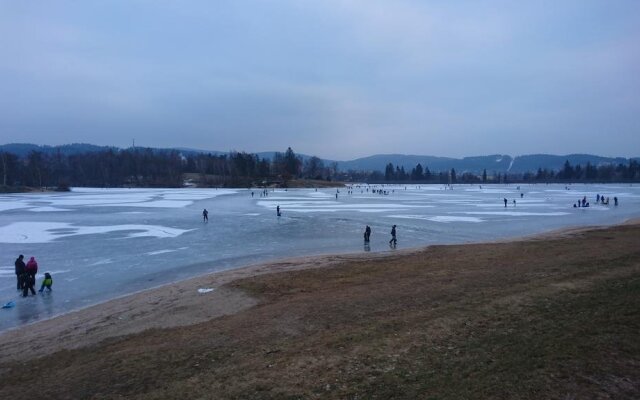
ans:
(367, 234)
(505, 201)
(205, 215)
(278, 211)
(20, 270)
(31, 269)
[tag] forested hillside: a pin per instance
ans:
(145, 167)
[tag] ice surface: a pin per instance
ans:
(111, 242)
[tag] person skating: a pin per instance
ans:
(393, 240)
(20, 270)
(205, 215)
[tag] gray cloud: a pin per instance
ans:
(339, 79)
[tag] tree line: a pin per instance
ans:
(569, 173)
(146, 167)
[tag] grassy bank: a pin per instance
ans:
(546, 318)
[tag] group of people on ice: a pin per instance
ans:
(26, 276)
(599, 200)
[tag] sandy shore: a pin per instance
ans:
(181, 304)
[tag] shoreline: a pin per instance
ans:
(256, 269)
(136, 312)
(407, 324)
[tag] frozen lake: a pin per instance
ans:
(103, 243)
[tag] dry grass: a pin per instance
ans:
(551, 318)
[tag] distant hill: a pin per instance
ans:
(499, 163)
(23, 149)
(492, 163)
(534, 161)
(378, 162)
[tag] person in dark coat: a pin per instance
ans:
(367, 233)
(393, 240)
(20, 269)
(31, 269)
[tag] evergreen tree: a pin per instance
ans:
(389, 172)
(417, 173)
(567, 171)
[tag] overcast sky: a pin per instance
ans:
(336, 79)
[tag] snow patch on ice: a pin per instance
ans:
(12, 205)
(332, 206)
(58, 271)
(153, 253)
(44, 232)
(515, 213)
(439, 218)
(48, 209)
(319, 210)
(102, 262)
(152, 204)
